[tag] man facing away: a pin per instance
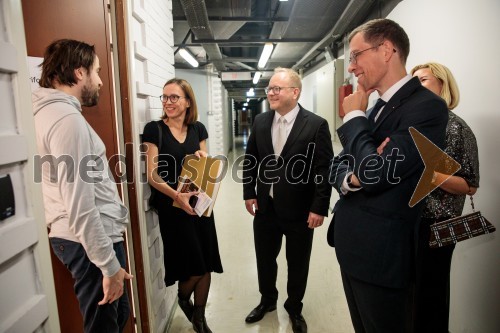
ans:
(286, 190)
(373, 228)
(82, 207)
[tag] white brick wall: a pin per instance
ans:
(151, 55)
(216, 114)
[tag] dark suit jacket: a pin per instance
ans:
(300, 174)
(374, 228)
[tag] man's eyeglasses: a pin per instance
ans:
(353, 59)
(172, 98)
(275, 90)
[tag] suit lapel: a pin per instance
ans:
(396, 100)
(298, 126)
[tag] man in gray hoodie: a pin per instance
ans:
(82, 207)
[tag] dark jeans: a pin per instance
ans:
(269, 230)
(108, 318)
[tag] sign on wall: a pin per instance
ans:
(35, 71)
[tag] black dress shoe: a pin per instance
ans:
(298, 323)
(259, 312)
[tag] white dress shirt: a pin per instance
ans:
(290, 119)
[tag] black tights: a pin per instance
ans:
(200, 285)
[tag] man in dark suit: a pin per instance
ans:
(374, 227)
(286, 189)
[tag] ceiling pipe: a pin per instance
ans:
(246, 42)
(238, 19)
(197, 16)
(183, 43)
(239, 63)
(343, 22)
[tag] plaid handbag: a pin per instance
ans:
(459, 228)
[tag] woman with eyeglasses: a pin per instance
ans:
(190, 245)
(447, 201)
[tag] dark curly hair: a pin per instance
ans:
(60, 60)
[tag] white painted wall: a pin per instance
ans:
(227, 121)
(210, 97)
(308, 95)
(318, 93)
(150, 40)
(463, 35)
(198, 80)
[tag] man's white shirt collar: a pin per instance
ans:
(395, 87)
(290, 116)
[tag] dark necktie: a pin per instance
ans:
(380, 103)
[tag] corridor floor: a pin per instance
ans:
(234, 293)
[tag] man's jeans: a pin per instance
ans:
(109, 318)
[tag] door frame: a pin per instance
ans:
(118, 10)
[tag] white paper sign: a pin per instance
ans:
(35, 71)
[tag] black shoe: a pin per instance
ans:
(298, 323)
(259, 312)
(199, 321)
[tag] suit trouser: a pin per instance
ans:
(107, 318)
(432, 293)
(268, 234)
(377, 309)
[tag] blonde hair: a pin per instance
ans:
(192, 110)
(449, 91)
(292, 75)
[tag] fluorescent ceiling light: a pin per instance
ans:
(266, 53)
(245, 104)
(250, 93)
(188, 57)
(256, 77)
(283, 0)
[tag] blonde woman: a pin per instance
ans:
(447, 201)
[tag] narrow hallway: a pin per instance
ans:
(235, 293)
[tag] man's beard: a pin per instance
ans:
(90, 97)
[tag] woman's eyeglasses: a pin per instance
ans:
(172, 98)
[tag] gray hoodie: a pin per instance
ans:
(81, 200)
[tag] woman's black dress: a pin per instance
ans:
(189, 242)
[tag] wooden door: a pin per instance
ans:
(44, 22)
